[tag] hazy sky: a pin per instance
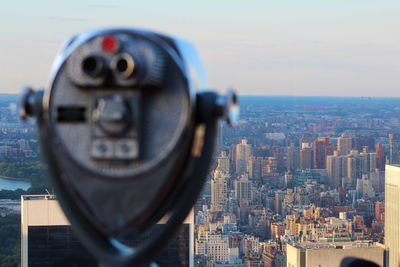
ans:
(260, 47)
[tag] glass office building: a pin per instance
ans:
(47, 238)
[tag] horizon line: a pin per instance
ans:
(271, 95)
(342, 96)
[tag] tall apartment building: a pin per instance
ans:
(259, 167)
(47, 238)
(243, 153)
(292, 157)
(271, 166)
(368, 162)
(379, 209)
(243, 190)
(305, 158)
(348, 168)
(380, 156)
(394, 148)
(278, 205)
(344, 144)
(279, 156)
(223, 162)
(337, 169)
(219, 190)
(353, 170)
(255, 166)
(320, 147)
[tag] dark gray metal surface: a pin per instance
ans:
(161, 110)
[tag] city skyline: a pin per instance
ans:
(291, 178)
(310, 48)
(299, 187)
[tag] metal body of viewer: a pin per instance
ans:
(126, 136)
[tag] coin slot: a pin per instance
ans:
(71, 114)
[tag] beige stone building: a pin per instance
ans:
(219, 190)
(243, 153)
(223, 162)
(344, 144)
(310, 254)
(392, 213)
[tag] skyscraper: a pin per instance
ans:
(368, 162)
(272, 165)
(379, 209)
(243, 153)
(337, 169)
(354, 169)
(344, 144)
(223, 162)
(380, 156)
(320, 147)
(292, 157)
(333, 168)
(256, 166)
(392, 213)
(219, 190)
(394, 148)
(305, 158)
(279, 197)
(243, 190)
(279, 157)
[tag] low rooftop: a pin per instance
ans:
(338, 245)
(38, 197)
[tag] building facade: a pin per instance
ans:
(219, 190)
(394, 148)
(223, 162)
(344, 144)
(47, 238)
(331, 254)
(243, 153)
(392, 213)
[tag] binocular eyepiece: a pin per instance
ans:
(117, 60)
(127, 135)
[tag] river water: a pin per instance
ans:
(6, 184)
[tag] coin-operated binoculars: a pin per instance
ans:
(126, 136)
